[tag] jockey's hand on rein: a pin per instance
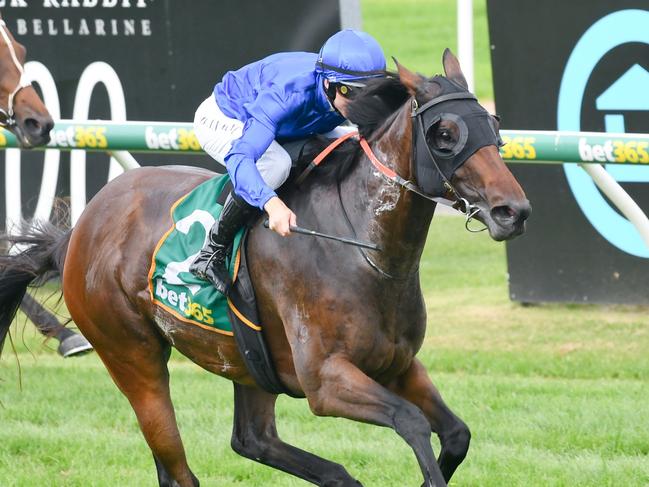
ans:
(280, 216)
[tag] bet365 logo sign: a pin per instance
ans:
(629, 93)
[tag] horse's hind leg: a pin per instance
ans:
(144, 378)
(136, 358)
(415, 386)
(254, 436)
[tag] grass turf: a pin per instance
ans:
(554, 395)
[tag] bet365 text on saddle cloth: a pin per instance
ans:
(171, 285)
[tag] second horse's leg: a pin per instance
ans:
(70, 343)
(254, 436)
(415, 386)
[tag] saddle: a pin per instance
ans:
(242, 310)
(192, 300)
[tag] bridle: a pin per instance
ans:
(461, 203)
(7, 117)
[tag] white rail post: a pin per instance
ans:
(620, 198)
(125, 159)
(465, 39)
(350, 14)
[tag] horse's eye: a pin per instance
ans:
(444, 136)
(444, 139)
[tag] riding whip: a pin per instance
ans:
(313, 233)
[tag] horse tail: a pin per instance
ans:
(31, 259)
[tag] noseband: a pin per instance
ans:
(7, 117)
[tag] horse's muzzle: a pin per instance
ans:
(35, 130)
(508, 221)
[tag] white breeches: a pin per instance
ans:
(216, 132)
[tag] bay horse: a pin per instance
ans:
(343, 326)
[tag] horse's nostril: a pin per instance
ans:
(32, 126)
(38, 128)
(512, 213)
(503, 213)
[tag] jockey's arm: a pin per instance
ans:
(258, 133)
(240, 163)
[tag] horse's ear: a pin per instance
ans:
(452, 69)
(408, 79)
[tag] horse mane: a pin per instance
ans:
(369, 110)
(376, 102)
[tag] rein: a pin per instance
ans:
(461, 204)
(7, 117)
(322, 156)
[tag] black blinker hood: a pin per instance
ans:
(434, 167)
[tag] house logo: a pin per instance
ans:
(629, 93)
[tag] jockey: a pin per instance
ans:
(284, 96)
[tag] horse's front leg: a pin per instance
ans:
(415, 386)
(336, 387)
(255, 436)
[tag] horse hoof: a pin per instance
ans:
(74, 345)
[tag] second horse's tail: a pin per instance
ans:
(30, 259)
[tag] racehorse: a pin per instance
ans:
(28, 119)
(343, 327)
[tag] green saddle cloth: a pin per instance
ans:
(171, 285)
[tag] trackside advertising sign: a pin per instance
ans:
(578, 66)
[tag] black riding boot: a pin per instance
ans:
(210, 262)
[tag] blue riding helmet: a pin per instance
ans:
(350, 55)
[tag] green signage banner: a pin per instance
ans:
(179, 138)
